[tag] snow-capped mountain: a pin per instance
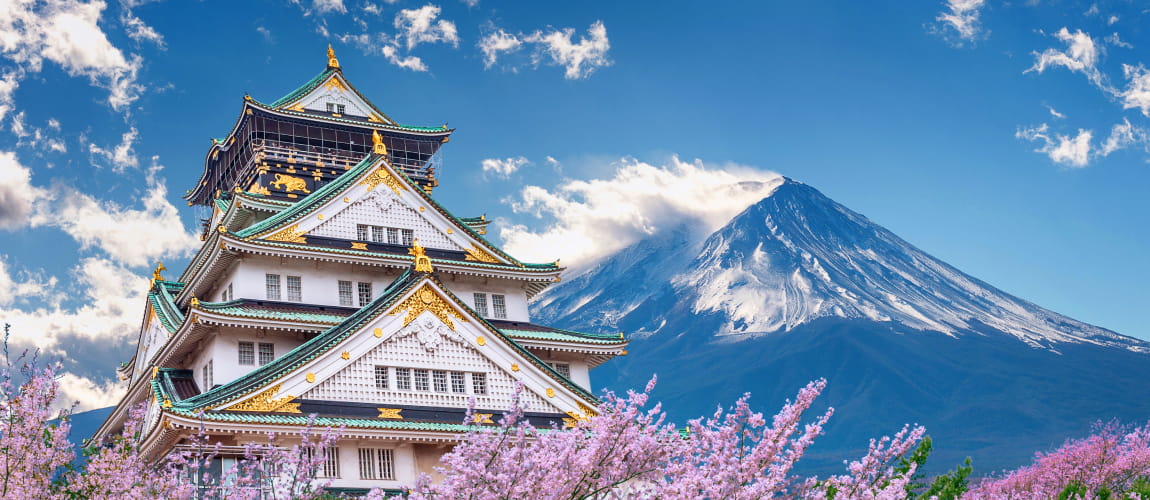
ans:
(797, 256)
(799, 287)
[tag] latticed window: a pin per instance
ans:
(440, 379)
(328, 468)
(272, 282)
(421, 382)
(393, 235)
(345, 293)
(458, 384)
(364, 293)
(479, 383)
(408, 236)
(481, 304)
(267, 352)
(361, 232)
(564, 369)
(376, 463)
(247, 353)
(403, 379)
(377, 234)
(228, 293)
(381, 377)
(295, 289)
(498, 306)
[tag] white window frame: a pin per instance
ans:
(403, 379)
(346, 298)
(208, 376)
(422, 379)
(479, 383)
(247, 354)
(459, 382)
(480, 301)
(364, 292)
(272, 286)
(377, 464)
(294, 289)
(266, 352)
(382, 381)
(498, 306)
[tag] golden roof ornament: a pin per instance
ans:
(332, 62)
(422, 261)
(156, 273)
(377, 145)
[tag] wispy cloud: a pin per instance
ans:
(17, 194)
(1078, 150)
(553, 47)
(1136, 95)
(122, 156)
(1080, 56)
(503, 167)
(960, 23)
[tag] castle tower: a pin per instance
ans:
(330, 282)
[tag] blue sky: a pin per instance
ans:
(1008, 139)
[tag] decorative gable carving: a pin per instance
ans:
(335, 91)
(424, 344)
(382, 207)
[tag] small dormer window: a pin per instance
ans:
(335, 108)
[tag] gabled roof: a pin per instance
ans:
(267, 374)
(354, 176)
(294, 96)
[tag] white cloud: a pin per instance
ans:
(372, 9)
(594, 218)
(67, 32)
(134, 237)
(1116, 41)
(8, 84)
(328, 6)
(503, 167)
(264, 32)
(17, 194)
(141, 32)
(470, 3)
(496, 43)
(1078, 150)
(111, 302)
(416, 26)
(1063, 149)
(1081, 56)
(88, 394)
(1137, 93)
(26, 287)
(582, 58)
(122, 156)
(35, 137)
(960, 22)
(1055, 113)
(409, 62)
(1112, 20)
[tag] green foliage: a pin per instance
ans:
(949, 486)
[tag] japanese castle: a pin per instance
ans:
(330, 282)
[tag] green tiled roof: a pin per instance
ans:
(165, 305)
(564, 335)
(304, 89)
(239, 309)
(223, 204)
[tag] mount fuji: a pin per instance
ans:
(799, 287)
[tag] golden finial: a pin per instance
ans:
(332, 62)
(156, 273)
(195, 302)
(377, 145)
(422, 261)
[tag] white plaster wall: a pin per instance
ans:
(516, 296)
(224, 348)
(319, 280)
(580, 373)
(403, 454)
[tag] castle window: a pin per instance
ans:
(376, 463)
(364, 293)
(564, 369)
(377, 234)
(479, 383)
(361, 232)
(440, 379)
(328, 468)
(408, 236)
(228, 295)
(247, 353)
(336, 108)
(381, 377)
(294, 289)
(481, 304)
(393, 236)
(345, 293)
(421, 381)
(458, 384)
(207, 375)
(272, 282)
(267, 352)
(498, 307)
(403, 379)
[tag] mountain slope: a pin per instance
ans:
(799, 287)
